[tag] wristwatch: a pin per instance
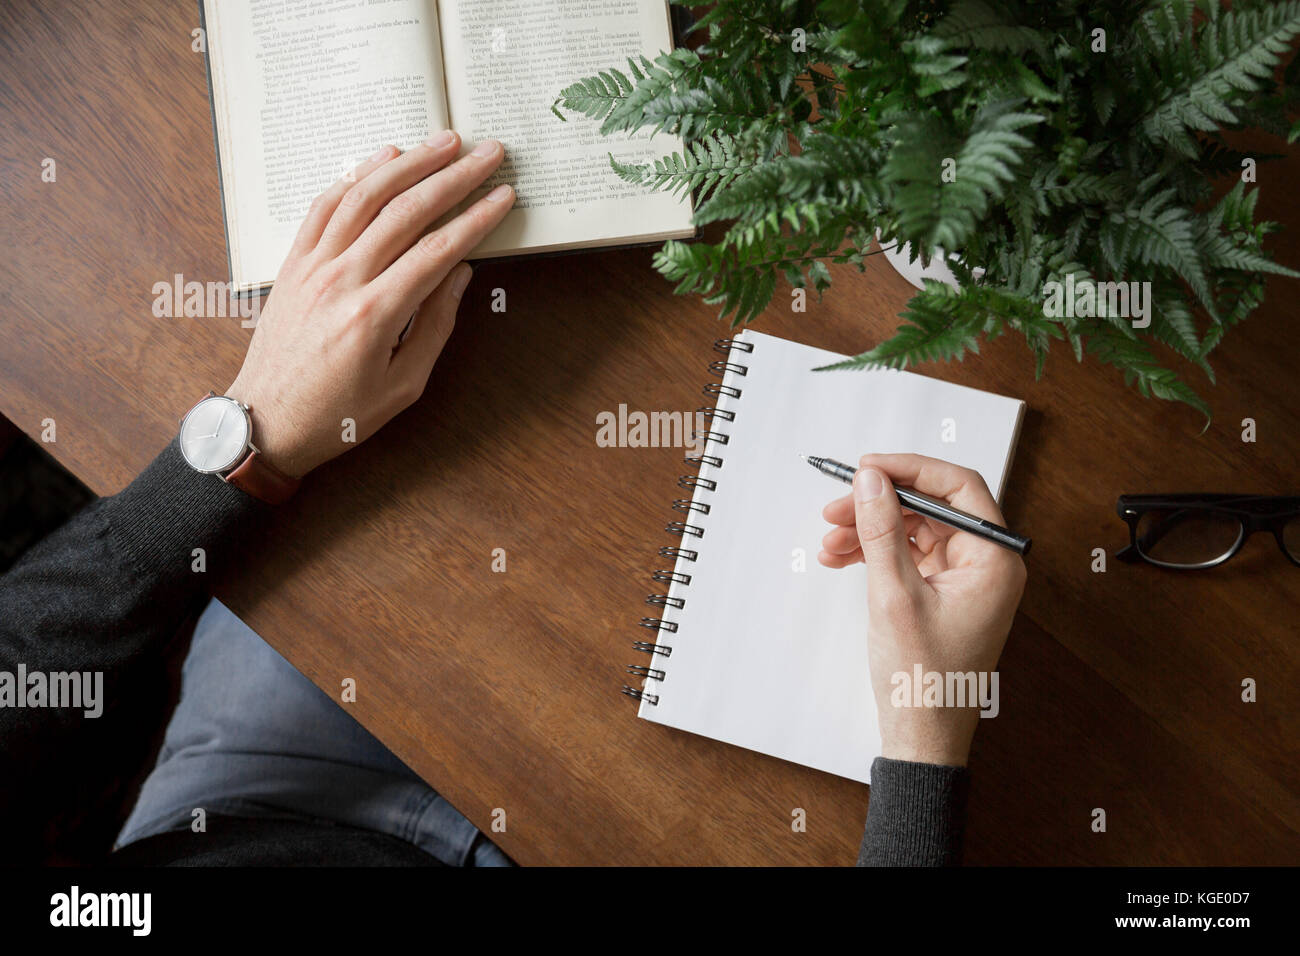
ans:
(217, 439)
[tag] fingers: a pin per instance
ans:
(840, 560)
(413, 277)
(885, 548)
(414, 358)
(323, 206)
(921, 531)
(841, 540)
(408, 215)
(921, 537)
(841, 511)
(362, 201)
(964, 488)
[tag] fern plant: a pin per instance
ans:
(1029, 142)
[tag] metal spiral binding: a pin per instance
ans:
(681, 528)
(671, 577)
(698, 460)
(689, 482)
(659, 624)
(727, 346)
(640, 694)
(688, 506)
(716, 388)
(641, 671)
(676, 553)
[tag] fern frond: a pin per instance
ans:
(733, 107)
(593, 96)
(1234, 53)
(703, 167)
(1156, 232)
(1141, 368)
(619, 102)
(832, 173)
(1220, 252)
(741, 277)
(1172, 323)
(942, 324)
(934, 213)
(934, 331)
(974, 23)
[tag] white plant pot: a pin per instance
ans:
(914, 273)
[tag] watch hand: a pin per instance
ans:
(218, 429)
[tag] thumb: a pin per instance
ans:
(879, 518)
(430, 327)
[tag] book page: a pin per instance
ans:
(505, 63)
(303, 91)
(770, 651)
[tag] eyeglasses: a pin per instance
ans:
(1201, 531)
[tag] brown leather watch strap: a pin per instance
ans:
(258, 477)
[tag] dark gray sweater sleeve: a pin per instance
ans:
(916, 815)
(101, 596)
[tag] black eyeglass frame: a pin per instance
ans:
(1254, 512)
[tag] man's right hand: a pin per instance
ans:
(326, 344)
(938, 597)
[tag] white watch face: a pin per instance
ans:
(214, 434)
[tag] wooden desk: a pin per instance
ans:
(1120, 690)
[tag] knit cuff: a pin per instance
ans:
(169, 510)
(917, 814)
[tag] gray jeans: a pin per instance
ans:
(252, 737)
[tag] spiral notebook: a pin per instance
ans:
(757, 644)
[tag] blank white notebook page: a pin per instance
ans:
(770, 650)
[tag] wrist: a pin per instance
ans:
(270, 431)
(944, 756)
(945, 741)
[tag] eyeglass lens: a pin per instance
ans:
(1190, 537)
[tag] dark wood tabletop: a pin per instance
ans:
(1120, 690)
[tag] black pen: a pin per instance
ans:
(940, 511)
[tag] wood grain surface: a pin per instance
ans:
(1120, 690)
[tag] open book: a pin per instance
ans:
(759, 645)
(303, 90)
